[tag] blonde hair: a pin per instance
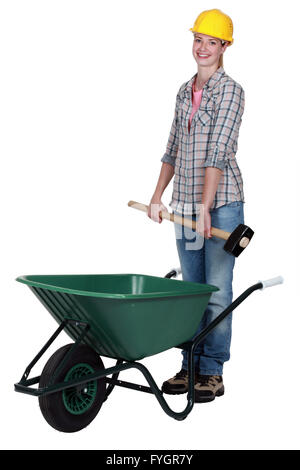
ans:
(221, 63)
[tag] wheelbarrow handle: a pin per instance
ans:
(271, 282)
(259, 286)
(173, 273)
(178, 219)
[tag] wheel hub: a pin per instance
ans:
(78, 400)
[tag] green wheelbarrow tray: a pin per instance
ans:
(122, 316)
(131, 316)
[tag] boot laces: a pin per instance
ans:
(181, 374)
(208, 379)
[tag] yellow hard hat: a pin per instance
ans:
(214, 23)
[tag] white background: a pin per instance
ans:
(87, 99)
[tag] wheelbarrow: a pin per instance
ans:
(126, 317)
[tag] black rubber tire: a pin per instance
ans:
(52, 406)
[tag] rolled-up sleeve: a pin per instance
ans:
(229, 110)
(172, 145)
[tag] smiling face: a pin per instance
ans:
(207, 49)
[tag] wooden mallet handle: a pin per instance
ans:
(177, 219)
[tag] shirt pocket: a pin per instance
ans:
(205, 116)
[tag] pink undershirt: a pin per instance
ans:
(196, 100)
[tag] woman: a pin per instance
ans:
(208, 187)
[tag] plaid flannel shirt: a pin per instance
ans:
(211, 142)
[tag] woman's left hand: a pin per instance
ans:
(207, 224)
(203, 224)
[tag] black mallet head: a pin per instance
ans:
(238, 240)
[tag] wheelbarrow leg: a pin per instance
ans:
(113, 380)
(159, 395)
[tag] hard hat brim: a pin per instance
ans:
(230, 41)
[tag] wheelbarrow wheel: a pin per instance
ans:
(74, 408)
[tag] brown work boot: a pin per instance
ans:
(208, 387)
(177, 384)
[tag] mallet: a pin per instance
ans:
(236, 241)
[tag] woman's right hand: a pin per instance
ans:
(154, 208)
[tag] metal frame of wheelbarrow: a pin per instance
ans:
(25, 384)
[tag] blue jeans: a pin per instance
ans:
(207, 262)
